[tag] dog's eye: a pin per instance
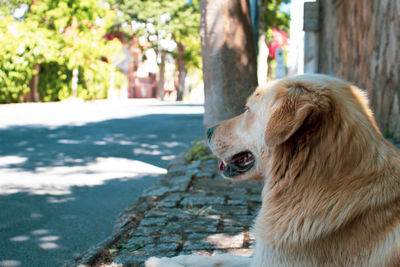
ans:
(247, 109)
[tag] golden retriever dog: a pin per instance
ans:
(332, 182)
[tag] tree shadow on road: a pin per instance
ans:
(47, 230)
(136, 138)
(61, 188)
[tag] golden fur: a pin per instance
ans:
(332, 181)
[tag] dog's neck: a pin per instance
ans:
(318, 182)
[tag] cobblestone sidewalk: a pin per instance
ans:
(192, 210)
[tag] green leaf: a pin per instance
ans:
(113, 250)
(133, 247)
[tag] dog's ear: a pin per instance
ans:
(292, 109)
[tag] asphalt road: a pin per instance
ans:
(68, 169)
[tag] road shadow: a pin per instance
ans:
(139, 138)
(62, 188)
(50, 230)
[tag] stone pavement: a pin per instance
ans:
(192, 210)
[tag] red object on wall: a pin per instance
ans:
(281, 39)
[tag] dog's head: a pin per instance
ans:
(315, 143)
(295, 112)
(239, 142)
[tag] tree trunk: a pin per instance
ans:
(359, 42)
(161, 77)
(229, 60)
(33, 95)
(182, 71)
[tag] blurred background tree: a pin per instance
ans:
(158, 21)
(229, 58)
(24, 45)
(273, 21)
(229, 31)
(63, 48)
(51, 39)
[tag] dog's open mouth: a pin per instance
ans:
(240, 163)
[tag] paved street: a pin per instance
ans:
(68, 169)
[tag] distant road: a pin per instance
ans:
(68, 169)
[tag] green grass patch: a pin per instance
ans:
(199, 151)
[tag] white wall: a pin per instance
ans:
(299, 41)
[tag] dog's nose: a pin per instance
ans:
(210, 132)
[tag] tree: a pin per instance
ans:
(359, 42)
(229, 58)
(80, 27)
(229, 51)
(159, 20)
(23, 46)
(184, 26)
(47, 40)
(272, 17)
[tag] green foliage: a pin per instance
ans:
(271, 15)
(59, 35)
(199, 151)
(203, 211)
(22, 45)
(54, 82)
(129, 247)
(96, 80)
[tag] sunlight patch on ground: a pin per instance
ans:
(10, 160)
(59, 200)
(221, 240)
(69, 142)
(100, 143)
(151, 136)
(168, 158)
(22, 143)
(141, 151)
(10, 263)
(150, 146)
(40, 232)
(171, 144)
(49, 238)
(20, 238)
(126, 143)
(59, 180)
(45, 242)
(48, 245)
